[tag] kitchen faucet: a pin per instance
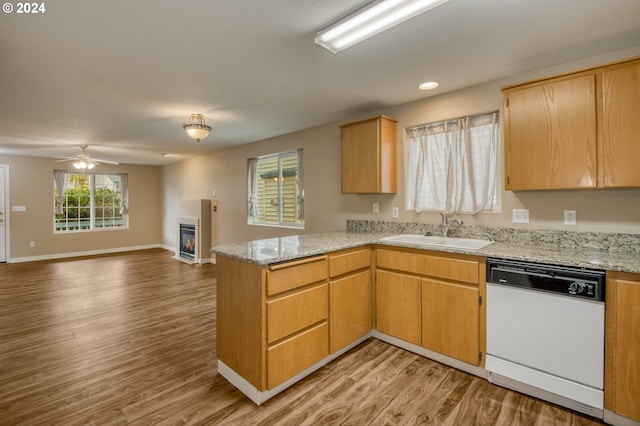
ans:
(446, 224)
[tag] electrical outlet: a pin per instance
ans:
(375, 207)
(520, 215)
(570, 217)
(18, 208)
(394, 212)
(32, 244)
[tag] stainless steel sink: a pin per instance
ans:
(434, 240)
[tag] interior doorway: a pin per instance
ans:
(4, 207)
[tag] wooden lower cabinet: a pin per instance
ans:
(451, 319)
(350, 312)
(273, 320)
(350, 289)
(622, 347)
(434, 300)
(276, 321)
(398, 305)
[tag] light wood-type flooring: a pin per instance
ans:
(129, 339)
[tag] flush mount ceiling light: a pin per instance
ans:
(371, 20)
(428, 85)
(196, 127)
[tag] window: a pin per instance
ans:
(452, 166)
(84, 202)
(276, 191)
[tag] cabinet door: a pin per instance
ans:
(620, 126)
(622, 350)
(369, 156)
(398, 305)
(350, 309)
(550, 135)
(450, 320)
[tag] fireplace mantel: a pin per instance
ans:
(201, 214)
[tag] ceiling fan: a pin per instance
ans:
(82, 161)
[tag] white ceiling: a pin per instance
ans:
(122, 76)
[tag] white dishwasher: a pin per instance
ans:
(545, 332)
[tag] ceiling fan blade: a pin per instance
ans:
(97, 160)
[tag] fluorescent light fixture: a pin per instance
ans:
(371, 20)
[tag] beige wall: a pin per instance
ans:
(31, 185)
(226, 173)
(327, 209)
(156, 192)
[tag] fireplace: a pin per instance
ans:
(195, 230)
(187, 241)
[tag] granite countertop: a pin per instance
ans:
(276, 250)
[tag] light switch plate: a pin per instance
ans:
(520, 215)
(394, 212)
(18, 208)
(375, 207)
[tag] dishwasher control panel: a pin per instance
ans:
(564, 280)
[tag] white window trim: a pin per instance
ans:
(92, 218)
(252, 179)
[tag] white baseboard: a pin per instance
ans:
(84, 253)
(420, 350)
(258, 397)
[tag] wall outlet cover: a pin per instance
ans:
(570, 217)
(520, 215)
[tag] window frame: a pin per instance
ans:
(92, 206)
(281, 175)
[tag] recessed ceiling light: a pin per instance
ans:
(429, 85)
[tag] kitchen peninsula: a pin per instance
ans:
(287, 306)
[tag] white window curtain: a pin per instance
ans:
(253, 188)
(124, 193)
(300, 178)
(452, 166)
(60, 179)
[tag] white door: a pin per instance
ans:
(3, 215)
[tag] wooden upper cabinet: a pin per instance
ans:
(550, 135)
(574, 131)
(620, 126)
(369, 156)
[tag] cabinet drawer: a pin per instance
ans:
(434, 266)
(343, 263)
(296, 274)
(294, 355)
(296, 311)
